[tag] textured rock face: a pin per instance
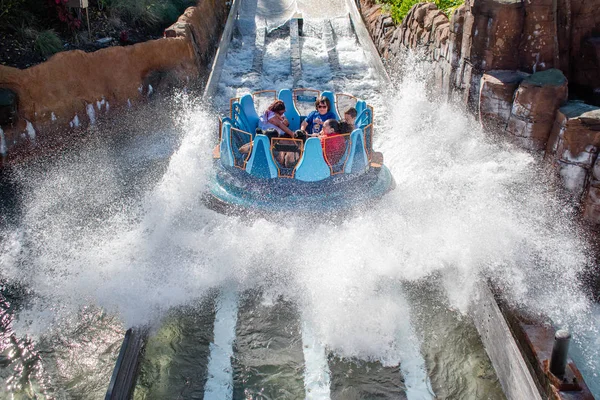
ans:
(484, 55)
(496, 98)
(73, 87)
(573, 151)
(538, 49)
(588, 68)
(534, 108)
(492, 32)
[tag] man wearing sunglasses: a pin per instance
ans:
(313, 124)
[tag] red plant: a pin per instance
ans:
(64, 14)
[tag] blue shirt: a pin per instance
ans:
(316, 121)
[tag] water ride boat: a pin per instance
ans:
(260, 180)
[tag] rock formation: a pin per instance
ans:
(513, 64)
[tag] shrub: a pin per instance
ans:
(149, 13)
(399, 8)
(47, 43)
(8, 7)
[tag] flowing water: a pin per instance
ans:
(113, 234)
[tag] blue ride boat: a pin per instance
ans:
(257, 181)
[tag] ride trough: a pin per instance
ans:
(259, 181)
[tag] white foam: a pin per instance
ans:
(30, 130)
(91, 113)
(2, 142)
(317, 377)
(219, 383)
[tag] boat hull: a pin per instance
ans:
(233, 190)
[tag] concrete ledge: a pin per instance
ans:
(124, 375)
(511, 368)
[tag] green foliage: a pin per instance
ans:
(47, 43)
(149, 13)
(9, 7)
(399, 8)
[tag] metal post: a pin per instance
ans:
(558, 361)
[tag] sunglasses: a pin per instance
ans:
(321, 106)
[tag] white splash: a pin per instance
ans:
(128, 103)
(107, 106)
(317, 376)
(219, 384)
(75, 122)
(150, 90)
(30, 130)
(2, 142)
(91, 113)
(52, 117)
(100, 103)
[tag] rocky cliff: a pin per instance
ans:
(514, 64)
(74, 87)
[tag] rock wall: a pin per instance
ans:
(74, 87)
(513, 63)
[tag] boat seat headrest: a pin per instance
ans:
(312, 166)
(331, 98)
(291, 112)
(261, 163)
(358, 161)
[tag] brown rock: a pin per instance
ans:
(577, 126)
(496, 97)
(587, 69)
(431, 16)
(492, 32)
(584, 21)
(533, 111)
(538, 48)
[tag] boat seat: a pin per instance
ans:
(339, 166)
(357, 160)
(291, 112)
(225, 145)
(261, 163)
(360, 106)
(331, 98)
(312, 166)
(364, 118)
(247, 103)
(244, 114)
(231, 141)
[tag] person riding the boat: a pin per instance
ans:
(314, 121)
(274, 118)
(350, 116)
(345, 127)
(332, 142)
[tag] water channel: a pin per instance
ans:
(112, 234)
